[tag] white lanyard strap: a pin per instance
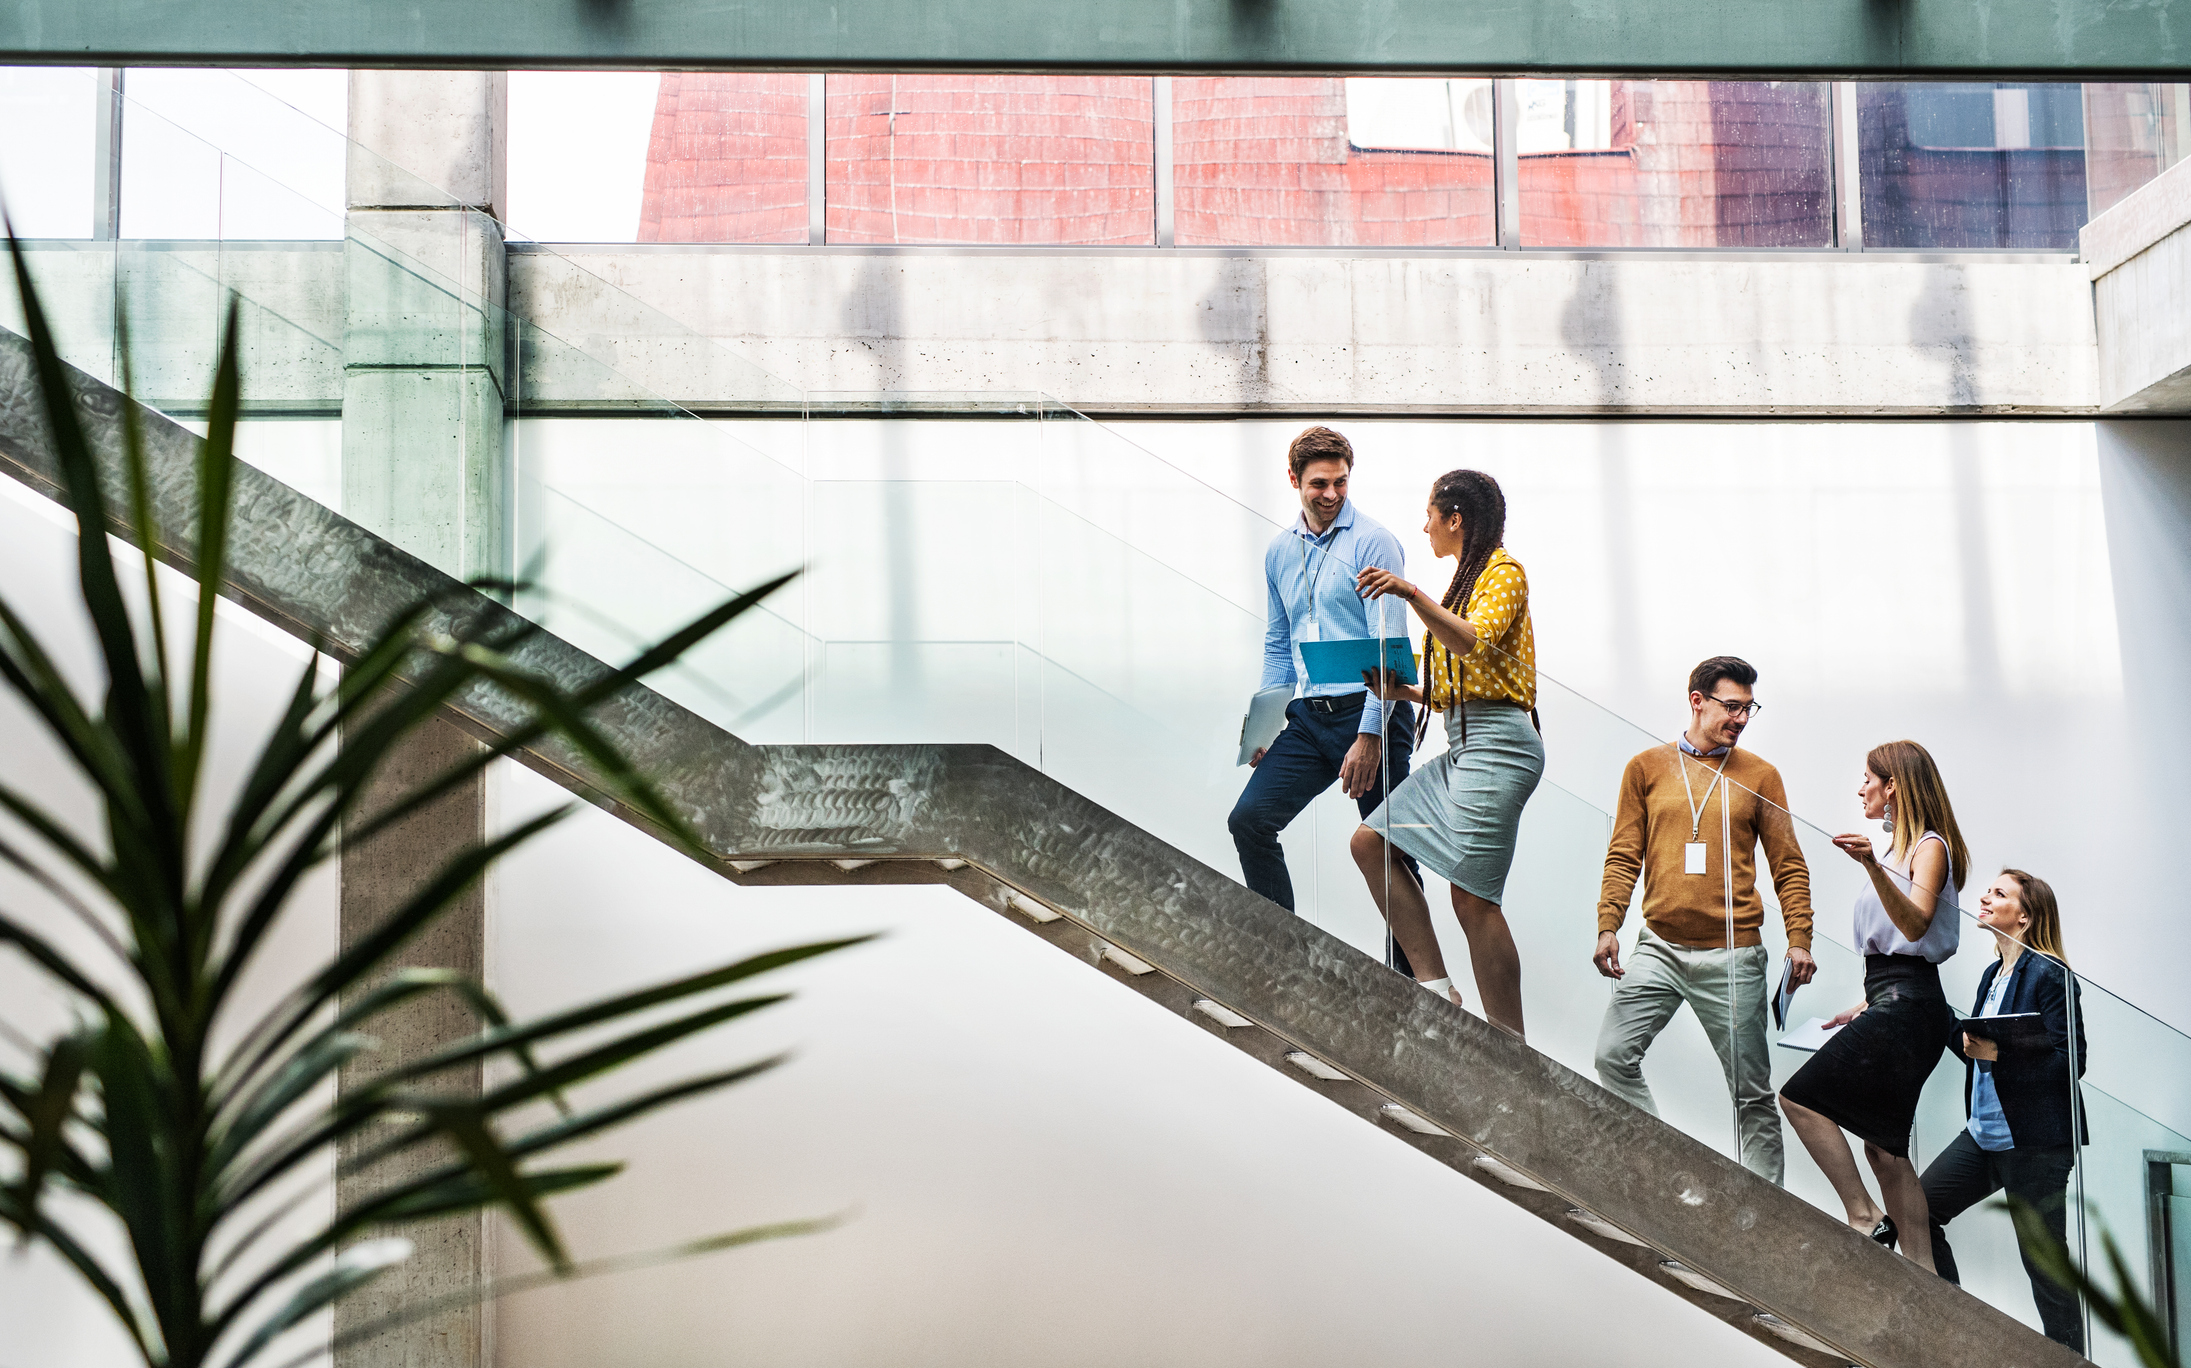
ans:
(1696, 809)
(1323, 554)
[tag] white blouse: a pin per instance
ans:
(1876, 933)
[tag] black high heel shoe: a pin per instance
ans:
(1885, 1232)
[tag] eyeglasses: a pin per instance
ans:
(1737, 708)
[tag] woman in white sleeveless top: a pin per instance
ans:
(1869, 1074)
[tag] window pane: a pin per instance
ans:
(2133, 132)
(725, 161)
(1674, 164)
(48, 179)
(233, 154)
(991, 159)
(1331, 162)
(1972, 165)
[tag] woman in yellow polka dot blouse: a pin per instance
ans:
(1459, 818)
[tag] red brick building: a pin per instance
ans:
(1271, 162)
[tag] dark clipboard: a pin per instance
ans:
(1784, 995)
(2017, 1030)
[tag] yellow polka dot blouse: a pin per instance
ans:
(1504, 663)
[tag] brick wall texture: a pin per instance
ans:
(991, 159)
(1265, 161)
(726, 161)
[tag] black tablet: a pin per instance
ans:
(2016, 1030)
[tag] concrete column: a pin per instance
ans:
(378, 876)
(425, 350)
(425, 372)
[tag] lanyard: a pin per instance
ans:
(1696, 809)
(1323, 555)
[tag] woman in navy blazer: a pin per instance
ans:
(2018, 1098)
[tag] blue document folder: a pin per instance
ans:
(1342, 662)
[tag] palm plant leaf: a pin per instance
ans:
(192, 1148)
(2124, 1311)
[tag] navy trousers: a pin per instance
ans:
(1302, 763)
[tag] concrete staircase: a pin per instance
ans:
(1131, 907)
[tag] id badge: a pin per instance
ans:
(1692, 857)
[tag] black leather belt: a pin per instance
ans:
(1338, 703)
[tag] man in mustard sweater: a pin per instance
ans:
(1691, 817)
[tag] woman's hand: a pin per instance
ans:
(1850, 1015)
(1857, 848)
(1975, 1048)
(1375, 583)
(1386, 685)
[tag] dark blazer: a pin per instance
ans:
(2033, 1084)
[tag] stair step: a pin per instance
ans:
(1222, 1015)
(1313, 1067)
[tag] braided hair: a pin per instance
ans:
(1476, 497)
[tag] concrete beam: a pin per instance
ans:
(291, 321)
(2138, 255)
(1034, 850)
(620, 329)
(1208, 332)
(2057, 39)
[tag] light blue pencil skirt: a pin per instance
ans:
(1459, 814)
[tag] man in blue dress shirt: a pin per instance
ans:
(1333, 731)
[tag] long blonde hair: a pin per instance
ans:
(2035, 898)
(1920, 803)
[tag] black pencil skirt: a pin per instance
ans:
(1867, 1077)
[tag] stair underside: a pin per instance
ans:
(1134, 908)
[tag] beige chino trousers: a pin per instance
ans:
(1661, 976)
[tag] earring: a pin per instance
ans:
(1888, 824)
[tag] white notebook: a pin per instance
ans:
(1810, 1035)
(1266, 718)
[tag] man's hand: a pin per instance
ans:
(1806, 968)
(1358, 772)
(1974, 1048)
(1608, 956)
(1257, 758)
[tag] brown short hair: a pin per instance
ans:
(1706, 676)
(1318, 444)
